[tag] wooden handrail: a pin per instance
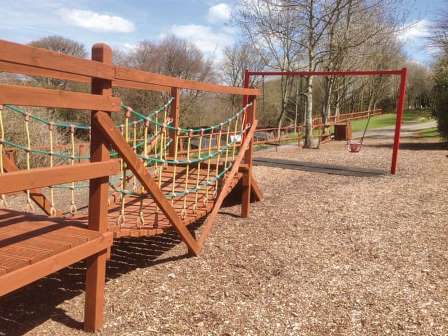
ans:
(23, 59)
(134, 75)
(43, 177)
(46, 59)
(33, 96)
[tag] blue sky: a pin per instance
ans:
(204, 22)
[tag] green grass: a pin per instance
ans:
(388, 119)
(432, 132)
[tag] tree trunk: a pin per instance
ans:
(309, 113)
(285, 96)
(326, 113)
(337, 109)
(297, 105)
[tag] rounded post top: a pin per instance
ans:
(102, 52)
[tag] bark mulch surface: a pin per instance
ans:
(321, 255)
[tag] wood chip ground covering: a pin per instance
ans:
(321, 255)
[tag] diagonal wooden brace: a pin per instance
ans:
(225, 188)
(109, 130)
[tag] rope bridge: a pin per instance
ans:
(146, 174)
(189, 177)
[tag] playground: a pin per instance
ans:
(336, 254)
(102, 217)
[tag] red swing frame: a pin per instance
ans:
(400, 100)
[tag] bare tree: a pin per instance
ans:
(174, 57)
(271, 30)
(314, 34)
(238, 58)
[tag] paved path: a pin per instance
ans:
(407, 130)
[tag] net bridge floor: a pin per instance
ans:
(142, 216)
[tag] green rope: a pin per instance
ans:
(60, 124)
(46, 122)
(62, 155)
(153, 159)
(193, 130)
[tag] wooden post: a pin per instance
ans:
(82, 152)
(98, 193)
(175, 115)
(247, 176)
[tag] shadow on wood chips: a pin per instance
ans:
(417, 145)
(28, 307)
(319, 167)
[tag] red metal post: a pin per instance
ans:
(399, 120)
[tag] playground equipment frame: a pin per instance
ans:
(400, 100)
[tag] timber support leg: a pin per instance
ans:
(94, 301)
(245, 201)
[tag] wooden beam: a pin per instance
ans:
(140, 171)
(175, 116)
(37, 196)
(39, 72)
(98, 197)
(42, 58)
(225, 188)
(153, 78)
(32, 96)
(120, 83)
(247, 176)
(44, 177)
(255, 189)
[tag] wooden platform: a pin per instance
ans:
(33, 246)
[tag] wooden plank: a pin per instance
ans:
(175, 116)
(36, 194)
(120, 83)
(24, 275)
(246, 180)
(42, 58)
(40, 72)
(32, 96)
(225, 188)
(140, 171)
(43, 177)
(157, 79)
(255, 189)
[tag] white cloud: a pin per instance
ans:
(95, 21)
(209, 41)
(219, 13)
(415, 30)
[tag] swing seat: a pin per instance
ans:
(353, 146)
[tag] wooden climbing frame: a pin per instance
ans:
(199, 179)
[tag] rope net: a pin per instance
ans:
(188, 164)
